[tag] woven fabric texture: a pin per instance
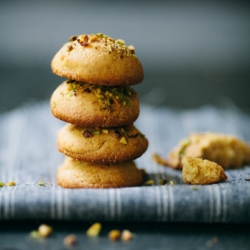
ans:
(28, 155)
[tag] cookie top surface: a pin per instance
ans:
(91, 105)
(98, 59)
(76, 174)
(226, 150)
(103, 145)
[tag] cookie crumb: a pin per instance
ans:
(44, 230)
(11, 183)
(126, 235)
(149, 182)
(34, 234)
(94, 230)
(114, 235)
(158, 159)
(70, 240)
(171, 183)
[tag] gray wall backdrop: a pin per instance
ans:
(193, 52)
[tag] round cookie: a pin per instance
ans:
(98, 59)
(77, 174)
(103, 145)
(91, 105)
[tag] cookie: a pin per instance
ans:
(200, 172)
(98, 59)
(103, 145)
(226, 150)
(91, 105)
(77, 174)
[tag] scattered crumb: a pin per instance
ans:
(34, 234)
(11, 183)
(114, 235)
(70, 240)
(211, 242)
(126, 235)
(158, 159)
(94, 230)
(44, 230)
(40, 183)
(149, 182)
(194, 188)
(171, 183)
(2, 184)
(162, 182)
(247, 179)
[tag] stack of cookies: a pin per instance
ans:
(100, 140)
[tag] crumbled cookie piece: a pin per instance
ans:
(94, 230)
(44, 230)
(114, 235)
(226, 150)
(200, 172)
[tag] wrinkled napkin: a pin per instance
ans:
(28, 155)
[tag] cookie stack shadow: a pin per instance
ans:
(99, 140)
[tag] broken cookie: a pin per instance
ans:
(200, 172)
(226, 150)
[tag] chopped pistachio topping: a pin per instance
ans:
(108, 97)
(2, 184)
(194, 188)
(184, 143)
(171, 183)
(40, 183)
(123, 140)
(117, 45)
(94, 230)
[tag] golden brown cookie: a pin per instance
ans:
(226, 150)
(200, 172)
(76, 174)
(91, 105)
(103, 145)
(98, 59)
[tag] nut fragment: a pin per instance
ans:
(126, 235)
(114, 235)
(34, 234)
(70, 240)
(149, 182)
(2, 184)
(94, 230)
(159, 159)
(40, 183)
(123, 141)
(171, 183)
(11, 183)
(44, 230)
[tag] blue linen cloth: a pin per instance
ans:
(28, 155)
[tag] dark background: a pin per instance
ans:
(193, 52)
